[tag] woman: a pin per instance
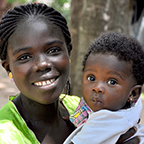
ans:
(34, 49)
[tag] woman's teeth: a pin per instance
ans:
(43, 83)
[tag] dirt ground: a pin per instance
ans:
(8, 88)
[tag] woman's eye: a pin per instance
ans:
(91, 78)
(24, 57)
(112, 82)
(53, 51)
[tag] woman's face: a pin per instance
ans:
(39, 60)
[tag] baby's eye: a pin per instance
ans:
(91, 78)
(112, 82)
(53, 50)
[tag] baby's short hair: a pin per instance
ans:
(124, 47)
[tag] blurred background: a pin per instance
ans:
(86, 20)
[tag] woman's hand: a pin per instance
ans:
(127, 135)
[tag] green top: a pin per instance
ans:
(13, 129)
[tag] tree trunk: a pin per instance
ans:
(88, 18)
(2, 7)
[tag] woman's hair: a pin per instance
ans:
(13, 17)
(124, 48)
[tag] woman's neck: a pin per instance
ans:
(33, 111)
(46, 121)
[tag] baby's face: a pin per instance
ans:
(107, 82)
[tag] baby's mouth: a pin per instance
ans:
(96, 100)
(44, 83)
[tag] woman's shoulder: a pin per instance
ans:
(70, 102)
(13, 128)
(5, 111)
(8, 109)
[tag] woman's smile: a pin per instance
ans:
(47, 83)
(44, 83)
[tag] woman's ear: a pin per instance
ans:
(135, 93)
(69, 47)
(5, 64)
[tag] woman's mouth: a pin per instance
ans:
(44, 83)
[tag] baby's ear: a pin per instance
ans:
(135, 93)
(5, 64)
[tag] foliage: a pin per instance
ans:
(60, 5)
(20, 1)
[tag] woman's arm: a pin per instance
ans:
(127, 135)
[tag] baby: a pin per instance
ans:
(113, 75)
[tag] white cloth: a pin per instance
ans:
(105, 127)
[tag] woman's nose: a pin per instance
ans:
(42, 64)
(99, 88)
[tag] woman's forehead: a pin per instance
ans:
(35, 30)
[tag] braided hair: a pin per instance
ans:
(13, 17)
